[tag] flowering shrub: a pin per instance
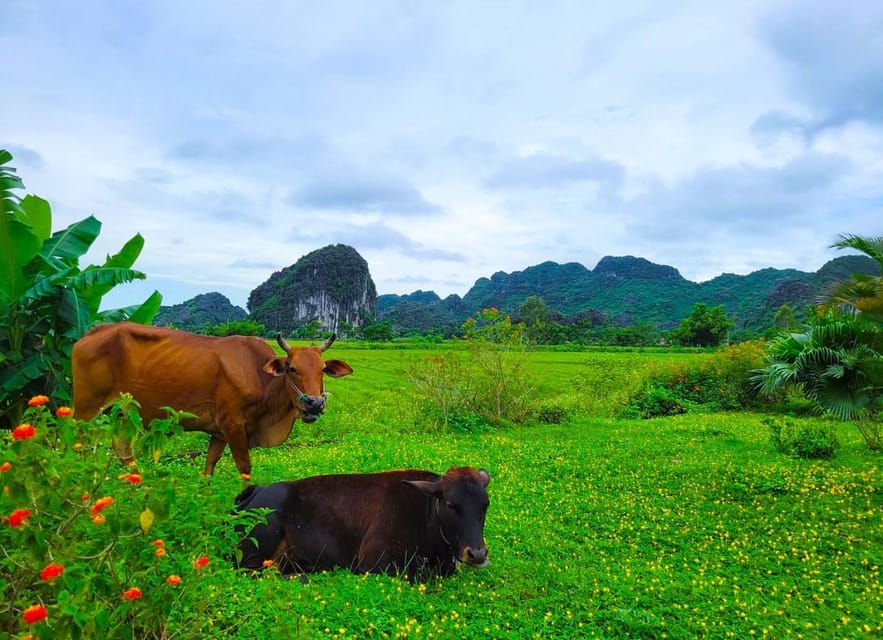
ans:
(80, 554)
(720, 382)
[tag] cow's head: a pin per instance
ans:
(461, 503)
(303, 369)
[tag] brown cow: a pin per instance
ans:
(408, 522)
(242, 393)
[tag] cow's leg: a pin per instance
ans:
(238, 442)
(215, 449)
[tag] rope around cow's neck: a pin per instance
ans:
(302, 397)
(441, 531)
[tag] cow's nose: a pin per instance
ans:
(314, 404)
(476, 556)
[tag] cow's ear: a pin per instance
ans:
(429, 488)
(485, 477)
(337, 368)
(275, 366)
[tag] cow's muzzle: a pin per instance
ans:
(312, 407)
(474, 556)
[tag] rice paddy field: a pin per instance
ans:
(599, 527)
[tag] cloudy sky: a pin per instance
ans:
(447, 140)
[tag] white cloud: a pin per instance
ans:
(448, 141)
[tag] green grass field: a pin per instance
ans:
(684, 527)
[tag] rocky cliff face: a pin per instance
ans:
(331, 285)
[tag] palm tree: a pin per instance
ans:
(862, 292)
(837, 359)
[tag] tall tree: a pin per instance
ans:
(704, 327)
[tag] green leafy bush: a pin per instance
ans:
(490, 380)
(91, 549)
(802, 440)
(237, 328)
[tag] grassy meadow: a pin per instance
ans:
(599, 527)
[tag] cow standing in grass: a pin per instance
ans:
(410, 522)
(242, 394)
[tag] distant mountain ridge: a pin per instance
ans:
(333, 286)
(624, 291)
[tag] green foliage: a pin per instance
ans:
(237, 328)
(704, 327)
(98, 548)
(46, 301)
(378, 331)
(800, 439)
(491, 379)
(836, 361)
(862, 292)
(720, 381)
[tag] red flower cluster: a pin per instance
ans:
(51, 571)
(132, 593)
(34, 614)
(6, 466)
(64, 412)
(134, 478)
(24, 432)
(19, 517)
(200, 562)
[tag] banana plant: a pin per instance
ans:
(47, 302)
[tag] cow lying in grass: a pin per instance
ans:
(410, 522)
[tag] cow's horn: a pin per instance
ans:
(328, 342)
(283, 344)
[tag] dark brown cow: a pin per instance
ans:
(242, 393)
(410, 522)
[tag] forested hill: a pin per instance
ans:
(623, 291)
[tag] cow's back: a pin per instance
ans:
(160, 367)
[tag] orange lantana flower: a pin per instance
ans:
(38, 401)
(160, 552)
(200, 562)
(99, 519)
(24, 432)
(6, 466)
(173, 580)
(132, 594)
(64, 412)
(134, 478)
(100, 505)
